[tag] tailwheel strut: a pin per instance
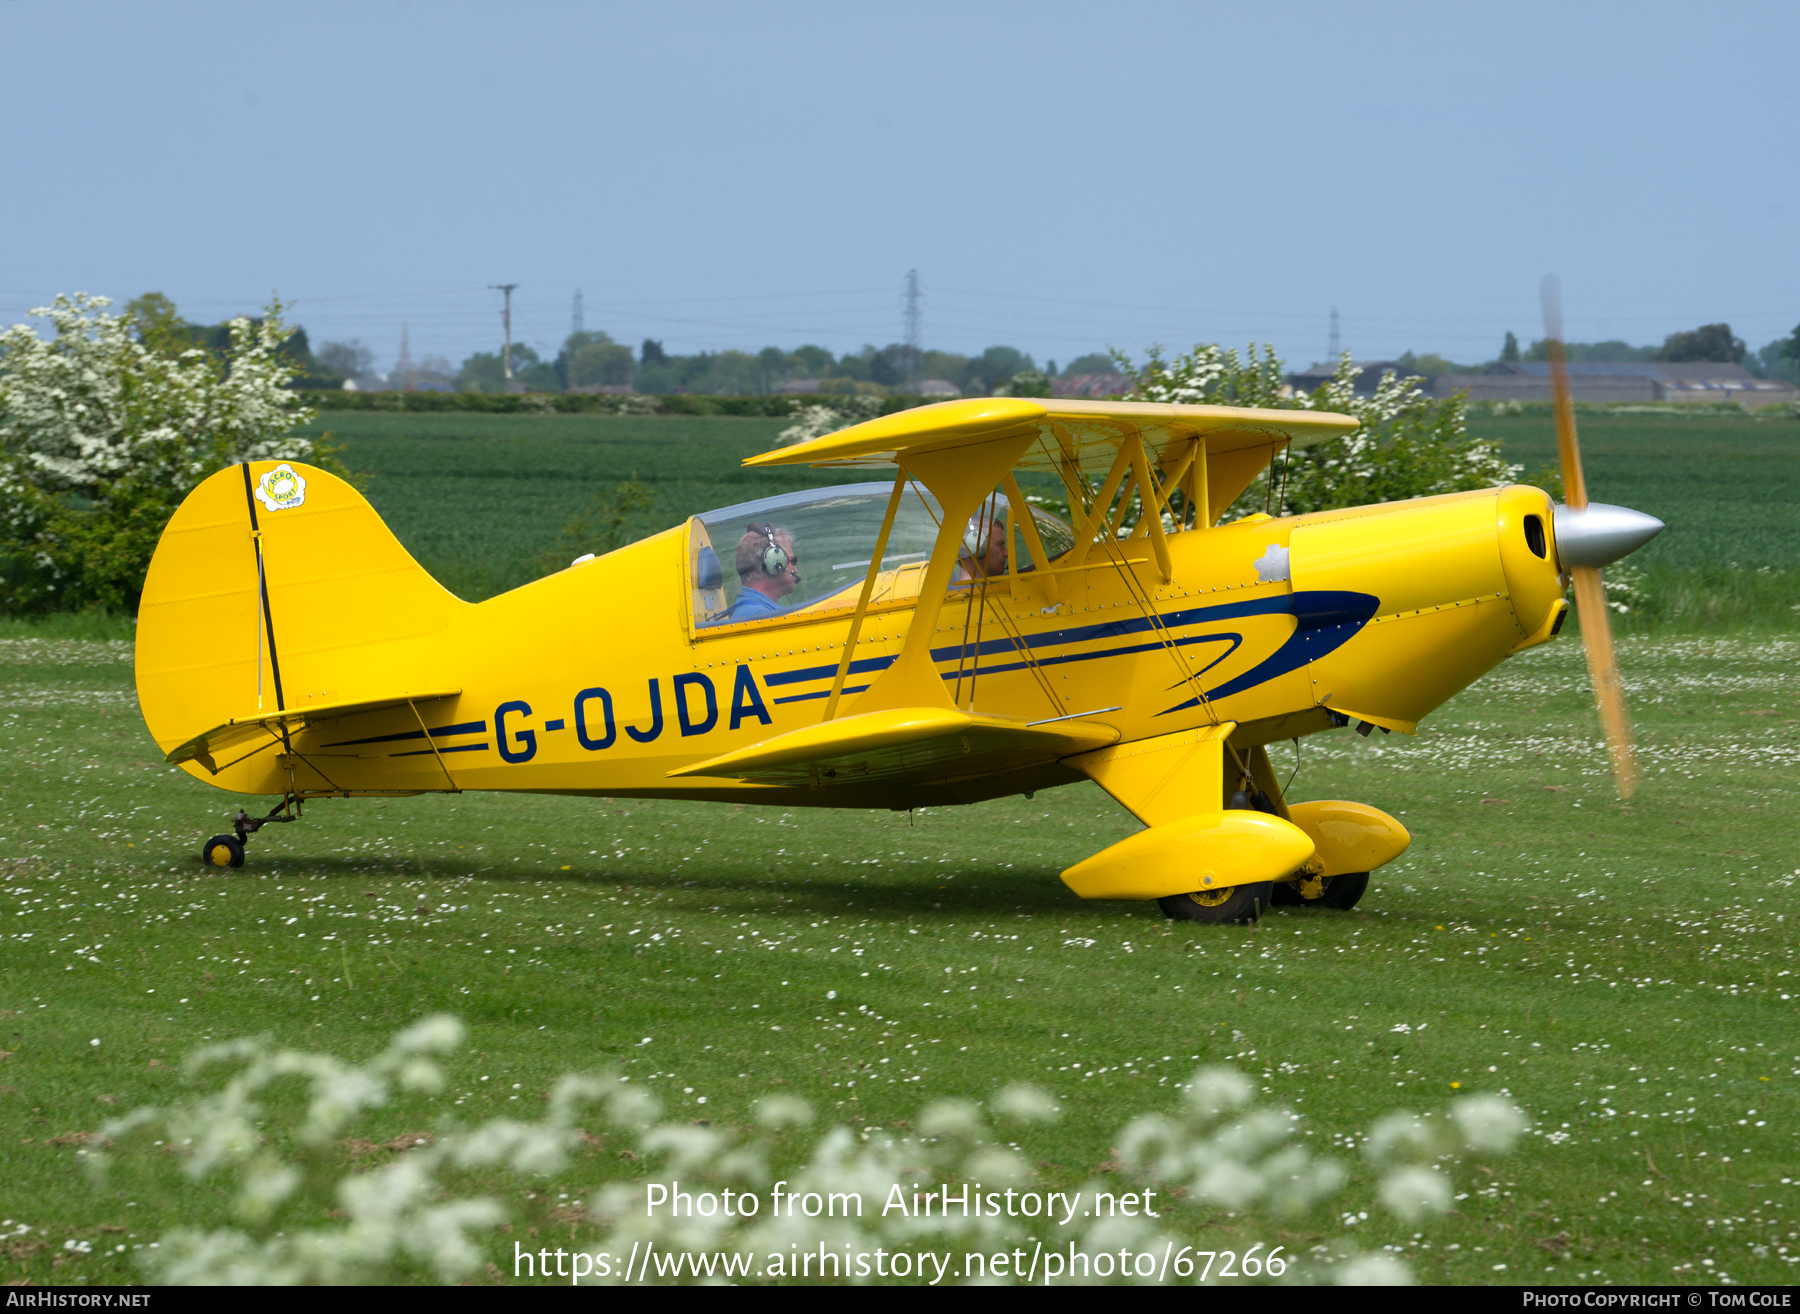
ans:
(228, 850)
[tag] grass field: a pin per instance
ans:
(1625, 972)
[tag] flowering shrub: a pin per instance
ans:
(101, 436)
(413, 1216)
(815, 421)
(1409, 445)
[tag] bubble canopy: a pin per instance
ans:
(824, 540)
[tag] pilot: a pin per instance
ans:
(769, 570)
(985, 527)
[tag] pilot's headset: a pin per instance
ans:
(981, 524)
(774, 558)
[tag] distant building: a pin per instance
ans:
(1596, 382)
(1677, 382)
(1091, 385)
(938, 388)
(1368, 375)
(605, 390)
(797, 386)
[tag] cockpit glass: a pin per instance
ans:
(809, 552)
(819, 543)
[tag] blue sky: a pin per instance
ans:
(1064, 177)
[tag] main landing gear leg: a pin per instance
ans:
(228, 850)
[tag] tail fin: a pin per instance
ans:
(275, 588)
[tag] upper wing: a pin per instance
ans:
(1234, 442)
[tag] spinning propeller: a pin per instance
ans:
(1590, 535)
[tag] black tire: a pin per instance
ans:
(1343, 892)
(1241, 905)
(222, 851)
(1340, 892)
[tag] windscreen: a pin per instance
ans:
(809, 552)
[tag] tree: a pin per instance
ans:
(651, 353)
(485, 371)
(1509, 350)
(1612, 351)
(895, 365)
(102, 434)
(813, 362)
(1028, 383)
(994, 367)
(1709, 342)
(602, 364)
(1781, 358)
(351, 359)
(1095, 362)
(571, 347)
(771, 368)
(1409, 445)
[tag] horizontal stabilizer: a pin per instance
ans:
(264, 728)
(905, 746)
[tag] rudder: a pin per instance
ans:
(335, 611)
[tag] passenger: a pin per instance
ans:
(769, 570)
(984, 524)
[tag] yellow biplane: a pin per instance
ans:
(930, 637)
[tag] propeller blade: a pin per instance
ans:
(1590, 591)
(1603, 673)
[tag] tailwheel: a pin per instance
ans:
(1341, 892)
(223, 851)
(1240, 905)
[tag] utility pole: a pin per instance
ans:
(506, 318)
(914, 336)
(578, 323)
(1331, 356)
(405, 368)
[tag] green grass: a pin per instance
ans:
(1727, 487)
(1539, 938)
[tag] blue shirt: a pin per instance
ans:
(751, 605)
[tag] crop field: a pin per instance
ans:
(1729, 489)
(1625, 972)
(479, 497)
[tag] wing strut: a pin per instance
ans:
(862, 603)
(430, 743)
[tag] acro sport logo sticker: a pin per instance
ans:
(281, 489)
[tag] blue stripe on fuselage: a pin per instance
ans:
(1326, 619)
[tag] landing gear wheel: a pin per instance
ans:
(223, 851)
(1340, 892)
(1235, 905)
